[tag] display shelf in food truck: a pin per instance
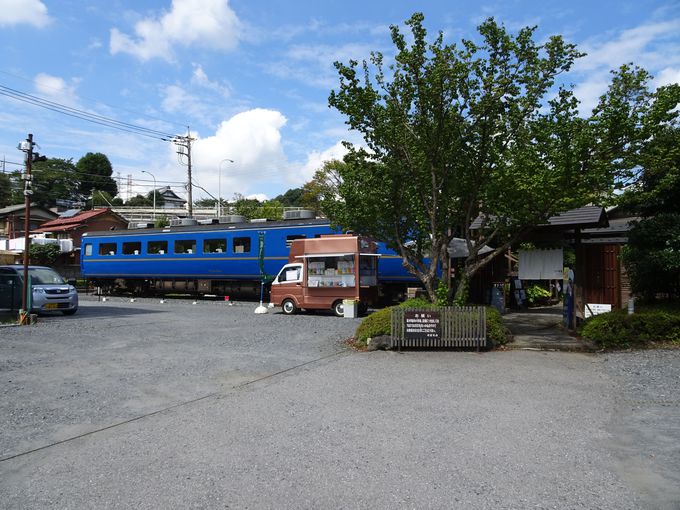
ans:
(325, 271)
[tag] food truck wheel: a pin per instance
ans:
(339, 308)
(288, 307)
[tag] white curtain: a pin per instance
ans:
(541, 264)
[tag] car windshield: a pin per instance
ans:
(44, 276)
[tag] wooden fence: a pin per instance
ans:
(439, 327)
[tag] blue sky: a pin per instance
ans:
(252, 77)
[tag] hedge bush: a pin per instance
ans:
(496, 333)
(379, 323)
(618, 330)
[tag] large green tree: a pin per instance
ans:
(54, 179)
(6, 195)
(323, 187)
(476, 140)
(291, 198)
(652, 256)
(94, 173)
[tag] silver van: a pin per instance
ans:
(50, 292)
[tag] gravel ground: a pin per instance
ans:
(646, 423)
(207, 406)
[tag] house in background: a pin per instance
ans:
(12, 219)
(72, 224)
(172, 200)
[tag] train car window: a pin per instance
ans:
(132, 248)
(290, 239)
(107, 249)
(214, 246)
(88, 250)
(185, 246)
(241, 244)
(157, 247)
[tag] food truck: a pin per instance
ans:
(325, 271)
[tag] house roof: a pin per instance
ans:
(72, 222)
(170, 195)
(19, 208)
(589, 216)
(592, 216)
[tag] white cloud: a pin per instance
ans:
(28, 12)
(667, 76)
(652, 46)
(56, 89)
(253, 140)
(315, 161)
(313, 64)
(639, 45)
(200, 79)
(206, 23)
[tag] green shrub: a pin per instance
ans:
(442, 294)
(419, 302)
(376, 324)
(537, 294)
(618, 330)
(379, 323)
(496, 333)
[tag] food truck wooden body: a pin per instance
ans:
(325, 271)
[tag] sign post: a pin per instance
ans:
(422, 325)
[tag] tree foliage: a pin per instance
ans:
(94, 173)
(458, 133)
(53, 179)
(44, 254)
(6, 195)
(323, 188)
(652, 256)
(291, 198)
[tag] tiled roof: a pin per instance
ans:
(61, 224)
(589, 215)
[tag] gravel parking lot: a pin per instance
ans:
(149, 405)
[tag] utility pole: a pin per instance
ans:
(184, 142)
(27, 148)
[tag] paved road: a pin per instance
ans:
(143, 405)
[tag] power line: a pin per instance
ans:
(87, 116)
(95, 101)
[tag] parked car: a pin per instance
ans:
(50, 292)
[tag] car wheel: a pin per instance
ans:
(339, 308)
(288, 307)
(69, 312)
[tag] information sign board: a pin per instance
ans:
(422, 325)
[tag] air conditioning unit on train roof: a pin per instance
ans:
(300, 214)
(183, 222)
(232, 218)
(136, 225)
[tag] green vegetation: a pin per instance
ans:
(650, 325)
(44, 254)
(379, 323)
(480, 131)
(537, 295)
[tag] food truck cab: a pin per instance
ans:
(325, 271)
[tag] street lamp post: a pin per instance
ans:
(219, 186)
(154, 192)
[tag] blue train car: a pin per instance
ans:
(216, 259)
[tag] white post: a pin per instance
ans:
(154, 192)
(219, 186)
